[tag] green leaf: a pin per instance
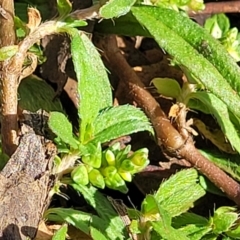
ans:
(97, 235)
(61, 233)
(75, 23)
(60, 125)
(168, 87)
(8, 51)
(35, 93)
(93, 157)
(93, 85)
(235, 233)
(76, 218)
(115, 229)
(119, 121)
(193, 48)
(193, 225)
(116, 8)
(168, 232)
(224, 219)
(189, 218)
(221, 20)
(64, 7)
(151, 208)
(220, 111)
(185, 194)
(80, 175)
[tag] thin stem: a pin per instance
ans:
(219, 7)
(8, 83)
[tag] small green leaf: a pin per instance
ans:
(8, 51)
(115, 182)
(185, 194)
(80, 175)
(149, 208)
(96, 234)
(224, 219)
(73, 23)
(220, 111)
(60, 125)
(168, 87)
(235, 233)
(119, 121)
(35, 93)
(189, 218)
(61, 233)
(76, 218)
(114, 228)
(193, 225)
(93, 157)
(213, 27)
(221, 20)
(116, 8)
(64, 7)
(96, 179)
(160, 219)
(167, 232)
(93, 84)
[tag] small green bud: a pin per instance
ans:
(127, 165)
(122, 154)
(140, 157)
(110, 157)
(126, 176)
(80, 175)
(109, 171)
(117, 183)
(96, 178)
(94, 158)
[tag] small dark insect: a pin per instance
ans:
(204, 48)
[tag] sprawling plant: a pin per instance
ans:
(84, 163)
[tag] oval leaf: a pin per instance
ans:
(60, 125)
(167, 87)
(119, 121)
(93, 85)
(116, 8)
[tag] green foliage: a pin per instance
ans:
(127, 119)
(62, 128)
(7, 52)
(106, 221)
(213, 88)
(99, 122)
(116, 8)
(64, 7)
(35, 93)
(60, 233)
(219, 27)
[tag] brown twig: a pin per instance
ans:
(167, 136)
(8, 82)
(219, 7)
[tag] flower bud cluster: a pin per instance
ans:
(111, 168)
